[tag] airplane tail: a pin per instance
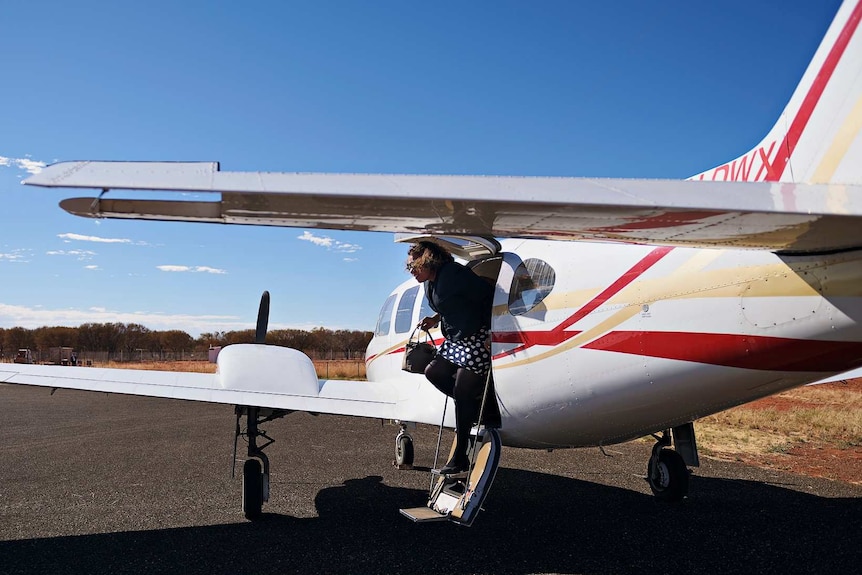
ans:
(818, 138)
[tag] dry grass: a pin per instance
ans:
(329, 369)
(822, 415)
(814, 431)
(340, 369)
(186, 366)
(836, 393)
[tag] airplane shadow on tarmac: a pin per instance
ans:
(533, 522)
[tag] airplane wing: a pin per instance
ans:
(777, 216)
(251, 375)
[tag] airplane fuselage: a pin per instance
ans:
(601, 343)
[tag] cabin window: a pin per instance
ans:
(534, 279)
(404, 313)
(384, 320)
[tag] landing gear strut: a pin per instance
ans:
(667, 473)
(255, 471)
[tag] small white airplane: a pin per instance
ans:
(623, 308)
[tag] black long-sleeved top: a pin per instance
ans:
(462, 299)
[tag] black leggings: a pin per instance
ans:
(466, 388)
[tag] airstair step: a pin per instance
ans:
(459, 475)
(423, 514)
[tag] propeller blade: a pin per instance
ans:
(262, 319)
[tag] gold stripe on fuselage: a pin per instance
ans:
(840, 145)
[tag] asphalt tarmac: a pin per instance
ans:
(96, 483)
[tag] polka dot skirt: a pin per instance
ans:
(469, 353)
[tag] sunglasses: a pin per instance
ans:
(412, 267)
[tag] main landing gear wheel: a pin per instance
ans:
(404, 451)
(252, 489)
(667, 475)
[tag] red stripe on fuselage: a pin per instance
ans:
(531, 338)
(797, 127)
(736, 350)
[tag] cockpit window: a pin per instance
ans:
(384, 320)
(404, 314)
(534, 279)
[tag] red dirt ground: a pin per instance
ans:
(811, 459)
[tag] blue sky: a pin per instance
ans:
(556, 88)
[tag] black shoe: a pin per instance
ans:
(454, 467)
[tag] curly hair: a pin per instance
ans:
(429, 255)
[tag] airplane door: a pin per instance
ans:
(522, 285)
(501, 320)
(519, 311)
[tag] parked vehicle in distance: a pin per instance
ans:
(62, 356)
(24, 356)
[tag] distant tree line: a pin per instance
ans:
(128, 338)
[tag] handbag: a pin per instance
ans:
(418, 354)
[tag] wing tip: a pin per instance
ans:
(107, 174)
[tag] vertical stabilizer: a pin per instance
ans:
(818, 138)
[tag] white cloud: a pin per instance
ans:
(329, 243)
(79, 237)
(19, 256)
(316, 240)
(174, 268)
(26, 164)
(92, 267)
(191, 269)
(209, 270)
(81, 255)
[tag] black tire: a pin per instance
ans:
(252, 489)
(669, 479)
(403, 451)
